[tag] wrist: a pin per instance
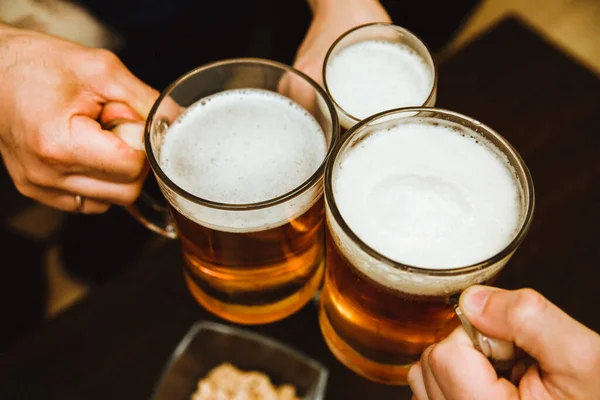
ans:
(9, 35)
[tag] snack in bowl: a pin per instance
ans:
(226, 382)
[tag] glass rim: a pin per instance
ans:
(506, 149)
(369, 25)
(299, 189)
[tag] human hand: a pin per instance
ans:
(54, 93)
(331, 18)
(567, 353)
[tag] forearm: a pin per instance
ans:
(5, 28)
(8, 60)
(7, 32)
(317, 5)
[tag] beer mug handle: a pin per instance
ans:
(153, 216)
(149, 212)
(500, 353)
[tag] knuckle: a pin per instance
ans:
(104, 60)
(131, 194)
(527, 306)
(135, 169)
(35, 176)
(25, 189)
(437, 357)
(423, 358)
(425, 355)
(139, 172)
(46, 147)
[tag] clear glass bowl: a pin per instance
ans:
(208, 344)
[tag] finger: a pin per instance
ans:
(416, 383)
(102, 154)
(131, 133)
(433, 389)
(462, 372)
(66, 201)
(139, 96)
(120, 115)
(115, 110)
(533, 387)
(116, 193)
(121, 120)
(518, 371)
(122, 86)
(533, 323)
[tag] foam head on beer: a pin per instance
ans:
(371, 76)
(243, 146)
(426, 195)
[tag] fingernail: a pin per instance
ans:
(473, 299)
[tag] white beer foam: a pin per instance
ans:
(373, 76)
(424, 195)
(243, 146)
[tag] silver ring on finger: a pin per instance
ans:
(79, 200)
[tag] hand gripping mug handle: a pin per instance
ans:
(500, 353)
(148, 211)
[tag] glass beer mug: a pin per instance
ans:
(238, 148)
(376, 67)
(421, 203)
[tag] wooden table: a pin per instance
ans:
(115, 343)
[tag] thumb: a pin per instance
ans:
(112, 111)
(121, 120)
(533, 323)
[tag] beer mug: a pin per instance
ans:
(239, 153)
(421, 203)
(378, 67)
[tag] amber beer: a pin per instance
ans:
(254, 244)
(254, 277)
(421, 204)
